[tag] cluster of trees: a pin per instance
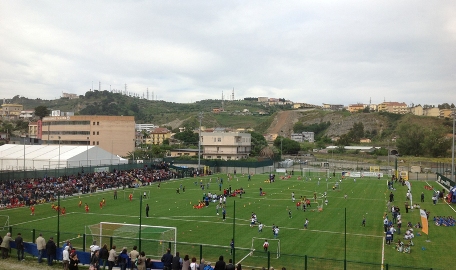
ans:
(415, 140)
(353, 136)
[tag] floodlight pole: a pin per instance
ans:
(345, 239)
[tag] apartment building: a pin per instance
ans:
(225, 145)
(115, 134)
(11, 110)
(356, 107)
(158, 135)
(393, 107)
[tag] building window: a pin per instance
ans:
(98, 123)
(98, 143)
(94, 123)
(215, 139)
(98, 132)
(219, 139)
(93, 142)
(94, 133)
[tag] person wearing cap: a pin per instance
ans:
(40, 245)
(51, 249)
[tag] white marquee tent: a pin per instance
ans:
(39, 157)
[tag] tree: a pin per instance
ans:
(258, 143)
(187, 137)
(42, 111)
(410, 139)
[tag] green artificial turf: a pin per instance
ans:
(324, 242)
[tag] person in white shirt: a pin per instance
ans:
(94, 247)
(66, 258)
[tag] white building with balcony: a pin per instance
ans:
(226, 145)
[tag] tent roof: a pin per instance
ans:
(49, 152)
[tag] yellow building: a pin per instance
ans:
(11, 110)
(356, 107)
(417, 110)
(393, 107)
(158, 135)
(434, 112)
(115, 134)
(446, 113)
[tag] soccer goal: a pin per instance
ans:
(334, 185)
(154, 239)
(4, 223)
(257, 249)
(315, 173)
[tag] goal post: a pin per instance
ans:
(4, 222)
(315, 173)
(154, 239)
(257, 249)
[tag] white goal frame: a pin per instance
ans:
(254, 251)
(4, 222)
(99, 237)
(316, 173)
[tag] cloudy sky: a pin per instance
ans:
(307, 51)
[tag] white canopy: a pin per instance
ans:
(38, 157)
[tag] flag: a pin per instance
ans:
(424, 221)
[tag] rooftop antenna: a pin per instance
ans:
(232, 95)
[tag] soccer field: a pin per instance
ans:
(333, 234)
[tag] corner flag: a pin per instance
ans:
(424, 221)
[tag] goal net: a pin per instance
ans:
(4, 222)
(154, 239)
(315, 173)
(257, 249)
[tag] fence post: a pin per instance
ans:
(33, 235)
(269, 259)
(201, 252)
(305, 262)
(11, 230)
(386, 266)
(84, 242)
(110, 241)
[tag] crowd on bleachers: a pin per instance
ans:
(26, 192)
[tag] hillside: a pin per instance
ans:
(278, 119)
